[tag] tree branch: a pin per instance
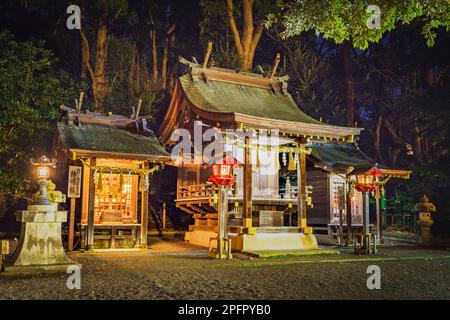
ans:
(256, 37)
(88, 64)
(234, 29)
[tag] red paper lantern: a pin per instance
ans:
(223, 171)
(365, 182)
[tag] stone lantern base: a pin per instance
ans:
(40, 247)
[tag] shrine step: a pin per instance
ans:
(205, 216)
(277, 230)
(203, 228)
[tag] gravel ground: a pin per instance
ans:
(177, 271)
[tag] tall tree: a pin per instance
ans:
(106, 13)
(348, 21)
(246, 41)
(32, 90)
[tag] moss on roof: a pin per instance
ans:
(227, 97)
(93, 137)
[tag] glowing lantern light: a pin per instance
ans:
(43, 165)
(365, 182)
(223, 171)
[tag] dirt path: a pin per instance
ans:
(188, 274)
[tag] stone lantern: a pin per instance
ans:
(40, 246)
(425, 208)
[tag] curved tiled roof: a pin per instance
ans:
(95, 138)
(227, 97)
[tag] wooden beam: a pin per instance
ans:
(91, 206)
(247, 197)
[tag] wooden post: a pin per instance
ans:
(301, 191)
(71, 223)
(341, 224)
(144, 214)
(366, 222)
(164, 216)
(349, 214)
(91, 206)
(247, 198)
(378, 212)
(222, 219)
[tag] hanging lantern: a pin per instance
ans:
(223, 171)
(365, 182)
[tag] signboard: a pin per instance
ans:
(74, 184)
(4, 247)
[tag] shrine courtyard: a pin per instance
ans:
(176, 270)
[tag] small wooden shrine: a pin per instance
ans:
(262, 216)
(337, 206)
(109, 159)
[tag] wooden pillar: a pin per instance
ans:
(222, 219)
(378, 213)
(144, 213)
(341, 221)
(91, 206)
(164, 216)
(366, 222)
(301, 191)
(71, 224)
(247, 198)
(113, 237)
(349, 213)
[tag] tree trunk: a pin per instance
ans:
(131, 74)
(165, 55)
(168, 44)
(84, 59)
(154, 56)
(348, 84)
(250, 36)
(172, 68)
(100, 85)
(377, 137)
(418, 141)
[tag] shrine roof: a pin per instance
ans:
(256, 101)
(109, 141)
(349, 159)
(339, 157)
(216, 95)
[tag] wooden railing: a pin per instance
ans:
(204, 190)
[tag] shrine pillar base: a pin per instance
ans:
(258, 241)
(272, 241)
(200, 237)
(40, 247)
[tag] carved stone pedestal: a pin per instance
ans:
(40, 247)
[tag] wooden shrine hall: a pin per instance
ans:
(227, 99)
(338, 207)
(108, 159)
